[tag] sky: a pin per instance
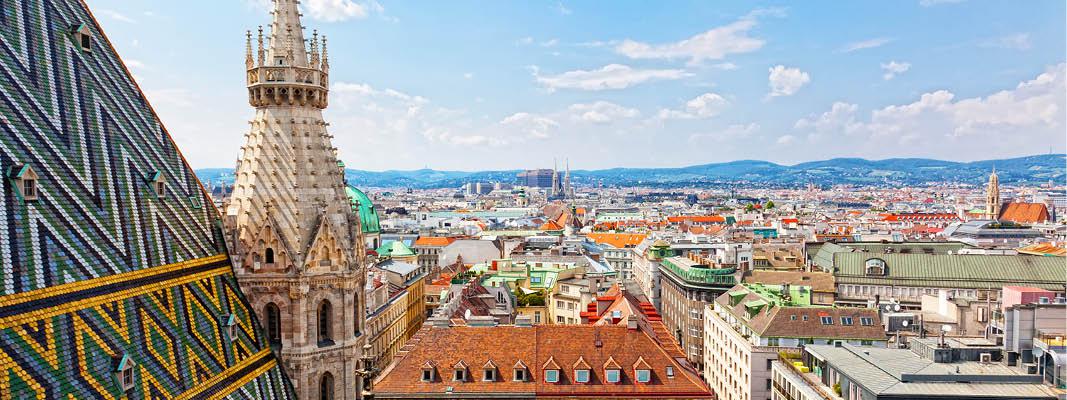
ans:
(481, 85)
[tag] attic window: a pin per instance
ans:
(489, 371)
(82, 37)
(581, 376)
(644, 375)
(427, 374)
(670, 371)
(459, 372)
(827, 320)
(158, 183)
(866, 321)
(124, 373)
(520, 375)
(846, 320)
(551, 375)
(25, 180)
(229, 321)
(874, 267)
(613, 375)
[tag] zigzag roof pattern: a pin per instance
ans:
(99, 272)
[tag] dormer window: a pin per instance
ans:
(459, 372)
(25, 181)
(157, 183)
(866, 321)
(429, 371)
(612, 371)
(875, 267)
(82, 36)
(581, 371)
(489, 371)
(642, 371)
(229, 322)
(124, 372)
(551, 370)
(519, 372)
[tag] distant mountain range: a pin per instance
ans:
(895, 171)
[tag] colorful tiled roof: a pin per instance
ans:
(99, 271)
(433, 241)
(537, 347)
(697, 219)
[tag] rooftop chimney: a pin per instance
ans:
(631, 322)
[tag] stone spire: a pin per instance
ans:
(287, 35)
(992, 197)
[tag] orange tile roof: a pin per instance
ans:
(434, 241)
(1026, 213)
(618, 240)
(534, 347)
(1045, 249)
(551, 226)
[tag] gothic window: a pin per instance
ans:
(326, 386)
(274, 326)
(325, 323)
(269, 256)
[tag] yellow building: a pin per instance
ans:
(398, 308)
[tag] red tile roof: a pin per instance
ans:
(565, 345)
(1024, 213)
(697, 219)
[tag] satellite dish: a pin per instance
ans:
(467, 315)
(905, 323)
(946, 328)
(896, 307)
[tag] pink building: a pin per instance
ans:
(1013, 295)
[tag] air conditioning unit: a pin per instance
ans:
(985, 358)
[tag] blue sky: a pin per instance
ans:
(477, 85)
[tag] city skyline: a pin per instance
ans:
(957, 81)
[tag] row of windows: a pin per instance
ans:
(612, 375)
(324, 319)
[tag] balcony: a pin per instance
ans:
(718, 276)
(813, 381)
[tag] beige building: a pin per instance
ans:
(395, 309)
(688, 285)
(746, 329)
(296, 241)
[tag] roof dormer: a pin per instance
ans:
(489, 371)
(642, 371)
(459, 371)
(429, 371)
(612, 371)
(582, 371)
(551, 370)
(520, 373)
(25, 181)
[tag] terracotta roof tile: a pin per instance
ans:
(1026, 213)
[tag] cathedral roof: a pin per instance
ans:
(116, 262)
(1024, 213)
(361, 203)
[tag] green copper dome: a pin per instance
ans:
(368, 217)
(394, 248)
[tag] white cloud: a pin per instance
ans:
(893, 68)
(786, 140)
(601, 112)
(524, 41)
(786, 81)
(531, 125)
(726, 66)
(706, 105)
(865, 44)
(562, 9)
(334, 10)
(612, 76)
(115, 15)
(931, 3)
(468, 75)
(713, 44)
(840, 119)
(731, 133)
(1018, 41)
(550, 43)
(1031, 115)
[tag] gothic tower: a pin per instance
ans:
(992, 196)
(296, 243)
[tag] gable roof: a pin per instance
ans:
(1024, 213)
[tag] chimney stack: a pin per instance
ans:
(631, 323)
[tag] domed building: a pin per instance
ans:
(368, 216)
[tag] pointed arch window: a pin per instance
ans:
(274, 326)
(268, 255)
(326, 386)
(355, 318)
(325, 324)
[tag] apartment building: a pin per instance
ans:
(689, 284)
(746, 329)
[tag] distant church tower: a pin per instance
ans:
(992, 196)
(294, 237)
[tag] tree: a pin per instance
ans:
(750, 207)
(770, 205)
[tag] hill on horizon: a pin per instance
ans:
(1035, 169)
